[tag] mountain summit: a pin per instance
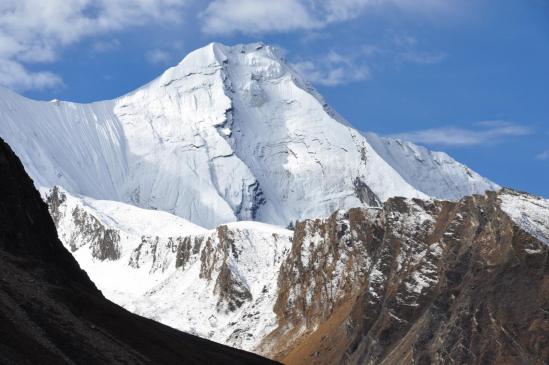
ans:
(230, 133)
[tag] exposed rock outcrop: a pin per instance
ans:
(414, 282)
(219, 284)
(85, 229)
(410, 281)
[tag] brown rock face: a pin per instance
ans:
(231, 290)
(414, 282)
(104, 242)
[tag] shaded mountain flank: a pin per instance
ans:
(50, 311)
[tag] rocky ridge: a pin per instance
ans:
(360, 286)
(415, 282)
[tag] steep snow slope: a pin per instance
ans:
(129, 218)
(78, 146)
(230, 133)
(433, 173)
(218, 284)
(530, 212)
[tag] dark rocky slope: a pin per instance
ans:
(414, 283)
(50, 311)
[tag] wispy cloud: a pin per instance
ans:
(253, 17)
(158, 56)
(422, 57)
(35, 31)
(13, 73)
(482, 133)
(543, 156)
(333, 69)
(103, 46)
(351, 65)
(408, 49)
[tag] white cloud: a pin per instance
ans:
(351, 65)
(33, 31)
(158, 56)
(36, 31)
(422, 57)
(486, 132)
(105, 45)
(332, 69)
(17, 76)
(408, 49)
(253, 16)
(401, 49)
(543, 156)
(426, 7)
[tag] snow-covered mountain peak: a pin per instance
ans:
(203, 60)
(262, 61)
(230, 133)
(216, 53)
(421, 167)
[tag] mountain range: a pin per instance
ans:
(226, 199)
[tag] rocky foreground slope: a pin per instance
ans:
(50, 311)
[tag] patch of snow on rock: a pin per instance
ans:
(531, 213)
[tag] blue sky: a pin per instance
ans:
(469, 77)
